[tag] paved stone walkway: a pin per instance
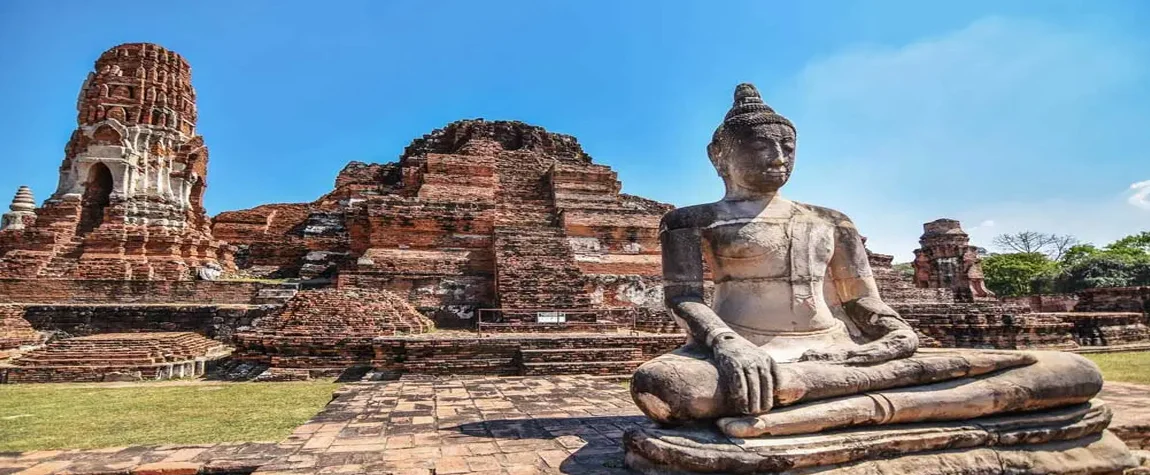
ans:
(1131, 405)
(477, 425)
(524, 425)
(145, 460)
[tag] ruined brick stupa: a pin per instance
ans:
(478, 214)
(129, 203)
(946, 260)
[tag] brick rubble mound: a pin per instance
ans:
(329, 328)
(117, 357)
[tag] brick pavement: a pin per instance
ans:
(221, 459)
(1131, 405)
(484, 425)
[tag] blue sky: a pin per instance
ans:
(1005, 115)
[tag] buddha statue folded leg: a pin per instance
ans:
(683, 386)
(1055, 379)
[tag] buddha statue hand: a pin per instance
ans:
(746, 372)
(892, 337)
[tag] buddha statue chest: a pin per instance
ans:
(769, 276)
(764, 249)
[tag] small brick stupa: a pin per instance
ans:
(946, 260)
(330, 328)
(129, 204)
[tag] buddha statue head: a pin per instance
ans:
(754, 148)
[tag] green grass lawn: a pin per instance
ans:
(1128, 367)
(50, 416)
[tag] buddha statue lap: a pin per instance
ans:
(798, 341)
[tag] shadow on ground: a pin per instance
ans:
(596, 443)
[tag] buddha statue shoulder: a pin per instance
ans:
(797, 338)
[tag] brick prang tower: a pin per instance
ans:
(129, 202)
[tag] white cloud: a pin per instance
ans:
(988, 120)
(1140, 195)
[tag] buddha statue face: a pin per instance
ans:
(755, 158)
(754, 148)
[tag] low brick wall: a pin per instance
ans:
(988, 325)
(1107, 328)
(99, 374)
(56, 291)
(219, 322)
(498, 355)
(1045, 302)
(1117, 299)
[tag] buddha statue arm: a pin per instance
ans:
(891, 336)
(745, 370)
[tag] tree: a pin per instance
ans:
(1135, 245)
(1027, 242)
(1059, 244)
(1078, 253)
(1122, 263)
(1015, 273)
(1103, 269)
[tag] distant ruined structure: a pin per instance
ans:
(478, 214)
(946, 260)
(129, 203)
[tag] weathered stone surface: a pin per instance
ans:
(797, 340)
(116, 357)
(705, 450)
(130, 199)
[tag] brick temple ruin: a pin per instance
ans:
(129, 203)
(947, 302)
(476, 215)
(487, 248)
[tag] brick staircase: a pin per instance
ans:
(597, 361)
(66, 258)
(534, 267)
(93, 358)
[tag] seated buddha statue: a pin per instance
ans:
(797, 338)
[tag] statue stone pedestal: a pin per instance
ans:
(1063, 441)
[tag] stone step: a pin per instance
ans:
(600, 368)
(452, 366)
(587, 355)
